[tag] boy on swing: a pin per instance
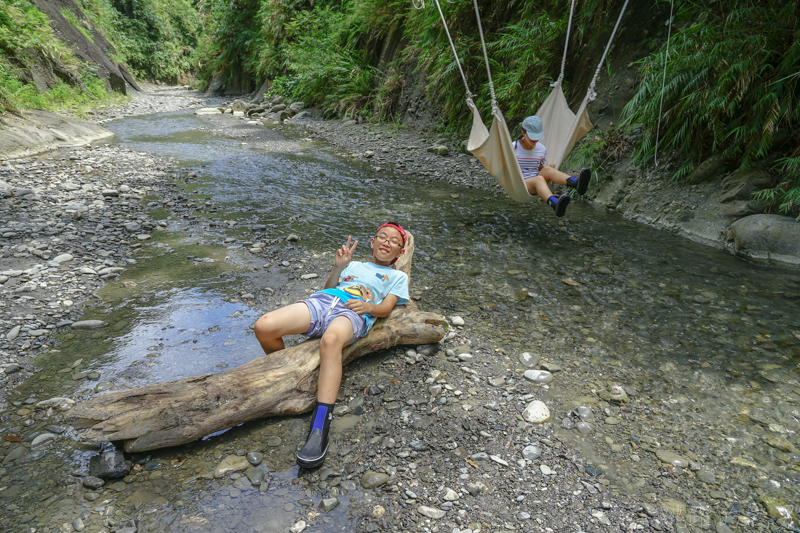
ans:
(531, 156)
(355, 293)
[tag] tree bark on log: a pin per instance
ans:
(282, 383)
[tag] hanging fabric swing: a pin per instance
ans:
(562, 128)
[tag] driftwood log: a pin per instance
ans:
(282, 383)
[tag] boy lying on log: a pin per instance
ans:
(355, 293)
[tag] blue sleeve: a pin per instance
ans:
(400, 288)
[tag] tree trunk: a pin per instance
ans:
(282, 383)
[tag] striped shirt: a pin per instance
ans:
(530, 160)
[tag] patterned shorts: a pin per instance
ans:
(324, 308)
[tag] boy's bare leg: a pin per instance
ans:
(290, 320)
(335, 338)
(556, 176)
(538, 185)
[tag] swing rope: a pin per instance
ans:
(592, 94)
(566, 45)
(486, 58)
(663, 83)
(453, 48)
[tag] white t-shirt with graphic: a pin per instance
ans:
(530, 160)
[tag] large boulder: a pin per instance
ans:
(240, 105)
(742, 185)
(217, 85)
(767, 239)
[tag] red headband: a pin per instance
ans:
(402, 234)
(395, 226)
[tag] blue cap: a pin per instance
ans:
(534, 127)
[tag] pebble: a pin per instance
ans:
(328, 504)
(255, 458)
(531, 452)
(457, 321)
(43, 441)
(668, 457)
(231, 463)
(538, 376)
(371, 480)
(528, 359)
(88, 324)
(431, 512)
(536, 412)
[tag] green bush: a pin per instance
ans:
(732, 87)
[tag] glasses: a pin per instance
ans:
(382, 238)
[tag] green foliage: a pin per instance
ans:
(732, 87)
(73, 19)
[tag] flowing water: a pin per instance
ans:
(711, 341)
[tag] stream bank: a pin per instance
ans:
(667, 368)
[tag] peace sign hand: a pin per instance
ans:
(345, 253)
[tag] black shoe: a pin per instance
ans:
(561, 206)
(313, 453)
(583, 181)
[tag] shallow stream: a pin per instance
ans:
(708, 345)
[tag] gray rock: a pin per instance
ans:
(767, 238)
(479, 487)
(63, 258)
(88, 324)
(439, 149)
(371, 480)
(538, 376)
(31, 457)
(328, 504)
(536, 412)
(109, 465)
(742, 185)
(43, 441)
(668, 457)
(706, 476)
(532, 452)
(93, 483)
(62, 404)
(431, 512)
(240, 105)
(13, 334)
(255, 458)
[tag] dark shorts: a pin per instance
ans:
(324, 308)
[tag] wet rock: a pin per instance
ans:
(78, 525)
(457, 321)
(601, 517)
(292, 238)
(668, 457)
(584, 427)
(328, 504)
(439, 149)
(371, 480)
(585, 413)
(231, 463)
(255, 458)
(109, 465)
(31, 457)
(88, 324)
(780, 443)
(298, 527)
(93, 483)
(538, 376)
(536, 412)
(706, 476)
(62, 404)
(63, 258)
(43, 441)
(618, 395)
(551, 367)
(778, 508)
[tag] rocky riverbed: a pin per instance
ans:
(493, 429)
